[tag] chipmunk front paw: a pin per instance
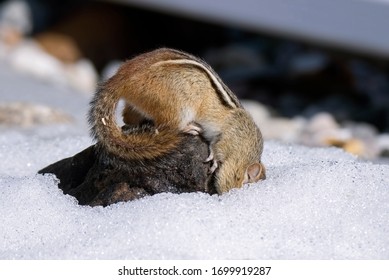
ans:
(193, 129)
(210, 158)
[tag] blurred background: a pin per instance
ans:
(311, 72)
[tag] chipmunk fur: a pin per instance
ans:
(178, 93)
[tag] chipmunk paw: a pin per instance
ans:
(210, 158)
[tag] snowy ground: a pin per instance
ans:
(315, 204)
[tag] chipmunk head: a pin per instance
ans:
(240, 146)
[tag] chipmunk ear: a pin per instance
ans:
(255, 172)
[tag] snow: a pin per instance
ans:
(316, 203)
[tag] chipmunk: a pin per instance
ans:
(179, 93)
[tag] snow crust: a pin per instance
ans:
(317, 203)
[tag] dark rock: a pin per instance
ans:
(95, 177)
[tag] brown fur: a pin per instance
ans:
(176, 90)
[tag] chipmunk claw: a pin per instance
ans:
(210, 158)
(214, 166)
(193, 129)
